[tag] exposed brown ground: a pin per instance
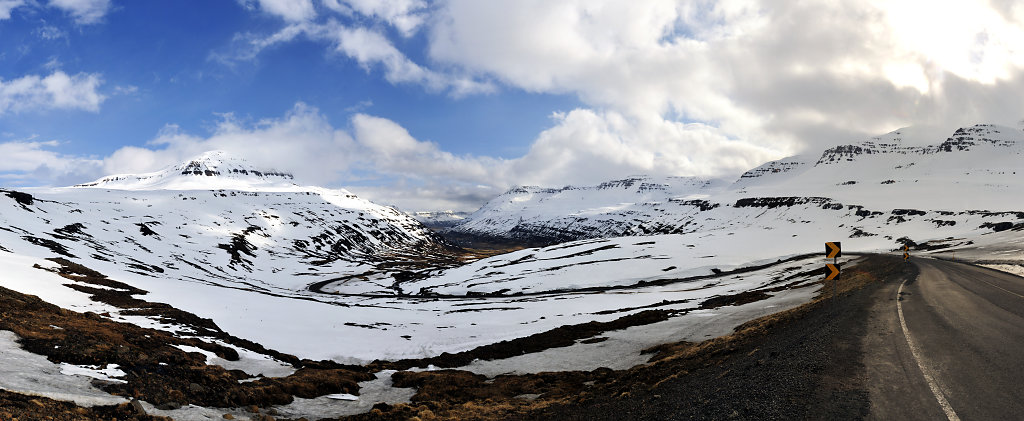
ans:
(19, 407)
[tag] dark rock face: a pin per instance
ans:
(23, 199)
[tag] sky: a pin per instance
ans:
(436, 105)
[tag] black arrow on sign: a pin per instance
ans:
(831, 272)
(833, 250)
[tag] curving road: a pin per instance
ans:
(947, 345)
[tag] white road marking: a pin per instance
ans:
(928, 376)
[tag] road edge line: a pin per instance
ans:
(928, 377)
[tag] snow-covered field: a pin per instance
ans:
(359, 329)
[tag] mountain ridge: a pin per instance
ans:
(210, 170)
(974, 169)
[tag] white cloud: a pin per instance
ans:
(388, 148)
(967, 38)
(380, 159)
(377, 159)
(33, 161)
(56, 91)
(408, 195)
(405, 15)
(585, 147)
(53, 64)
(370, 49)
(26, 155)
(6, 6)
(126, 90)
(84, 12)
(50, 32)
(778, 75)
(290, 10)
(314, 151)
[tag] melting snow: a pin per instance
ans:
(28, 373)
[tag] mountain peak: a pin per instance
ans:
(211, 170)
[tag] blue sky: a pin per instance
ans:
(433, 105)
(163, 53)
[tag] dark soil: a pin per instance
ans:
(16, 406)
(486, 242)
(744, 297)
(563, 336)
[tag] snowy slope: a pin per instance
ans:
(441, 219)
(973, 171)
(614, 208)
(213, 219)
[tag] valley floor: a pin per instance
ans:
(762, 340)
(785, 354)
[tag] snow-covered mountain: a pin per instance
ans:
(209, 171)
(440, 219)
(881, 183)
(212, 219)
(615, 208)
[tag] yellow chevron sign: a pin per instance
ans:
(831, 272)
(833, 250)
(906, 255)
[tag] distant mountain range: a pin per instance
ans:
(440, 219)
(869, 188)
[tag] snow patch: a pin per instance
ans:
(31, 374)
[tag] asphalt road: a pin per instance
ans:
(947, 345)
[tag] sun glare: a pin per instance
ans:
(965, 38)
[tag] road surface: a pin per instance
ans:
(947, 345)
